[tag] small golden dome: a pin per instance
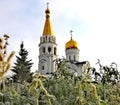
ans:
(47, 11)
(71, 44)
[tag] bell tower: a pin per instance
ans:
(47, 47)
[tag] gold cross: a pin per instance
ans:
(71, 31)
(47, 4)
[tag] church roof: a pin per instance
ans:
(81, 63)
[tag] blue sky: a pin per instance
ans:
(96, 26)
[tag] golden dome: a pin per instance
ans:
(71, 44)
(47, 11)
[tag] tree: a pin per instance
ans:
(22, 66)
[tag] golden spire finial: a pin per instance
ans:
(47, 11)
(47, 27)
(71, 31)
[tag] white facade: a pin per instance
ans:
(78, 67)
(47, 54)
(72, 55)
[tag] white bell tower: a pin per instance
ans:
(47, 48)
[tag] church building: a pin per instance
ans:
(48, 51)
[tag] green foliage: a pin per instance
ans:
(17, 94)
(38, 87)
(22, 66)
(62, 88)
(106, 74)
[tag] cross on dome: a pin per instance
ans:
(71, 31)
(47, 4)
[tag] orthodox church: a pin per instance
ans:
(48, 51)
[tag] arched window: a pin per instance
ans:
(43, 49)
(46, 38)
(43, 39)
(49, 49)
(42, 67)
(69, 58)
(55, 51)
(74, 58)
(49, 39)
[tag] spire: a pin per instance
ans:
(47, 27)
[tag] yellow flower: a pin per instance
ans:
(94, 91)
(10, 56)
(1, 40)
(1, 57)
(6, 36)
(4, 46)
(7, 67)
(1, 46)
(5, 52)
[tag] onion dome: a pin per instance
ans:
(47, 11)
(71, 44)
